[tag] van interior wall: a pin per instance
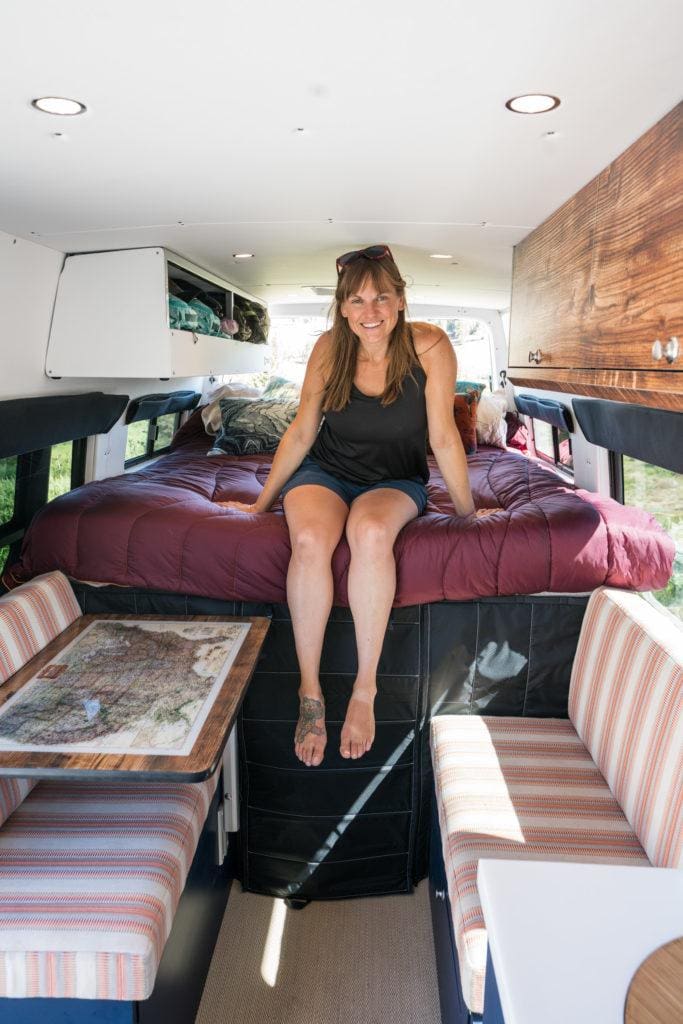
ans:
(29, 273)
(591, 464)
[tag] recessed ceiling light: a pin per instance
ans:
(243, 255)
(440, 256)
(59, 105)
(532, 103)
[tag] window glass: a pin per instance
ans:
(543, 439)
(660, 492)
(165, 430)
(564, 444)
(136, 441)
(60, 469)
(290, 342)
(471, 340)
(8, 485)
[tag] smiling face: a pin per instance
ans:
(372, 310)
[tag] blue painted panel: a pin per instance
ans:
(66, 1011)
(493, 1011)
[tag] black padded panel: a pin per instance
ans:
(546, 409)
(651, 435)
(30, 424)
(146, 407)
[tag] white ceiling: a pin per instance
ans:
(192, 111)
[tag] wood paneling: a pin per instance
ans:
(206, 753)
(598, 282)
(659, 390)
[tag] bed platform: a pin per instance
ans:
(469, 634)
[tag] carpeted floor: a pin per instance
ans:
(367, 961)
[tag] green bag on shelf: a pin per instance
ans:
(208, 322)
(181, 316)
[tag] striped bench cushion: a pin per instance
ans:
(625, 700)
(90, 877)
(30, 617)
(516, 788)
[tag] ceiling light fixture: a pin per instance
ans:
(59, 105)
(440, 256)
(533, 103)
(243, 255)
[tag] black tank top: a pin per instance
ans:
(367, 442)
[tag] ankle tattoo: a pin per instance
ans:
(310, 712)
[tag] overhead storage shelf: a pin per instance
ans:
(111, 319)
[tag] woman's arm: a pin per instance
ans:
(437, 357)
(299, 436)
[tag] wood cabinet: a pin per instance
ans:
(111, 319)
(597, 295)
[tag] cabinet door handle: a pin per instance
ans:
(535, 357)
(671, 350)
(657, 350)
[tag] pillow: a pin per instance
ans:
(252, 425)
(463, 386)
(491, 424)
(465, 414)
(211, 413)
(285, 390)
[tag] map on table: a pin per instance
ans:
(124, 687)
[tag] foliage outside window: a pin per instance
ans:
(61, 458)
(660, 492)
(8, 486)
(471, 340)
(147, 438)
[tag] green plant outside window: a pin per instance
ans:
(660, 492)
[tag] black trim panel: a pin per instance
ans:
(650, 435)
(30, 424)
(148, 407)
(546, 409)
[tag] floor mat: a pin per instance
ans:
(367, 961)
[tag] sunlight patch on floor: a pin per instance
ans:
(270, 963)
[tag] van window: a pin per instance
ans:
(660, 492)
(471, 340)
(8, 486)
(61, 458)
(291, 339)
(553, 445)
(148, 438)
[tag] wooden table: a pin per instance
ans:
(205, 754)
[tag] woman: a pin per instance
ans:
(379, 385)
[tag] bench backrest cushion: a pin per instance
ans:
(625, 700)
(30, 617)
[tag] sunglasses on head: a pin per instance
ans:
(373, 252)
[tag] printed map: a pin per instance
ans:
(132, 686)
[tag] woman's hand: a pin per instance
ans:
(240, 506)
(481, 512)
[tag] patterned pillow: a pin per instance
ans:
(465, 413)
(463, 386)
(282, 389)
(252, 425)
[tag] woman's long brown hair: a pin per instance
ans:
(340, 368)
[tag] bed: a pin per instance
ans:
(160, 529)
(486, 620)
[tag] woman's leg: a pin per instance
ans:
(315, 517)
(374, 522)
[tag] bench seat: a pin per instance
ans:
(516, 788)
(90, 877)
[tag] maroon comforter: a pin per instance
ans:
(159, 529)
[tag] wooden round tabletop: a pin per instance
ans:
(655, 995)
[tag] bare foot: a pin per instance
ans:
(310, 736)
(358, 731)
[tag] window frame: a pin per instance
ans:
(152, 436)
(553, 460)
(31, 486)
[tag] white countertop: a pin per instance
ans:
(566, 939)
